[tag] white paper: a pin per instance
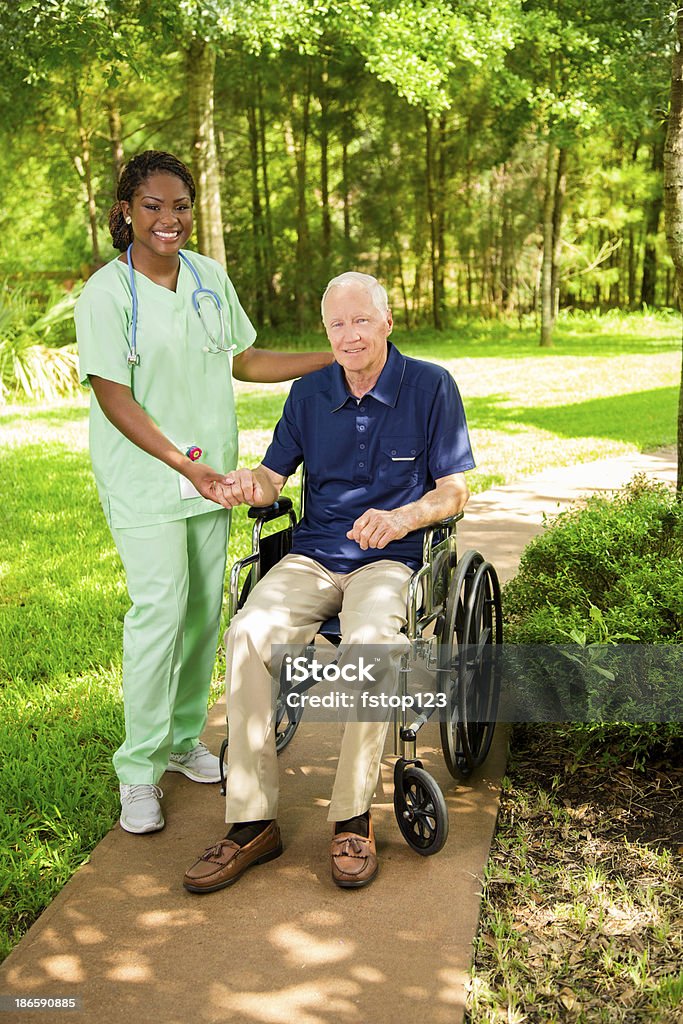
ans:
(188, 489)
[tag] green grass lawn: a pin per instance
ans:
(607, 387)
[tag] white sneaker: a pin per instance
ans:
(198, 764)
(140, 808)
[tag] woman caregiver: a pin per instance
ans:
(159, 331)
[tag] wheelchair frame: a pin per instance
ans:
(459, 601)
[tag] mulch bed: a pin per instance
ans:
(643, 805)
(582, 914)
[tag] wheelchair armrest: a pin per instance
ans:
(267, 512)
(449, 520)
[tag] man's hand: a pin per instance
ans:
(259, 487)
(376, 529)
(242, 487)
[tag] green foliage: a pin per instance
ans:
(327, 115)
(607, 573)
(621, 556)
(30, 367)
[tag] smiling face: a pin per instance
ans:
(161, 214)
(357, 331)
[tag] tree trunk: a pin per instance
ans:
(296, 135)
(326, 232)
(507, 246)
(256, 211)
(84, 168)
(269, 248)
(632, 242)
(547, 298)
(441, 217)
(201, 68)
(115, 137)
(673, 201)
(347, 135)
(560, 192)
(632, 259)
(431, 207)
(654, 211)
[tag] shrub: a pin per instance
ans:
(621, 555)
(610, 571)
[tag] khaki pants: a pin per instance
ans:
(287, 607)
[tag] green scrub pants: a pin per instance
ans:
(175, 574)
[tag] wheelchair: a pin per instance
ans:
(453, 624)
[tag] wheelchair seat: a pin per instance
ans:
(331, 630)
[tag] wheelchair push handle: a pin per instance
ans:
(267, 512)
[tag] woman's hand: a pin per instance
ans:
(208, 482)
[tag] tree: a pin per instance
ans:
(201, 69)
(673, 200)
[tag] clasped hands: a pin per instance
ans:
(375, 528)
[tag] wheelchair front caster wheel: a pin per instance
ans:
(420, 810)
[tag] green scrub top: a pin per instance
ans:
(186, 390)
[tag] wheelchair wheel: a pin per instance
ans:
(222, 765)
(420, 810)
(468, 672)
(441, 572)
(286, 718)
(285, 727)
(286, 723)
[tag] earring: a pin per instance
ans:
(129, 220)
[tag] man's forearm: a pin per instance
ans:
(376, 528)
(269, 485)
(438, 504)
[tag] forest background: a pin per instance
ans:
(481, 158)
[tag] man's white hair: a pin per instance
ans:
(375, 290)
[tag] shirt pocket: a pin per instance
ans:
(401, 461)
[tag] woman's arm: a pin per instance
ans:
(118, 405)
(262, 366)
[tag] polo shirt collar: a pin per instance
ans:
(385, 390)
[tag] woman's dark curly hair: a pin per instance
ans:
(137, 170)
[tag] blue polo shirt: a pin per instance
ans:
(382, 451)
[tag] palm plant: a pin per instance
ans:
(29, 365)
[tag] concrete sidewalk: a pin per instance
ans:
(126, 940)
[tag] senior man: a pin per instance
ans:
(385, 444)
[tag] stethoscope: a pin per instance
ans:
(215, 345)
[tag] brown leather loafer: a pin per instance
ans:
(354, 859)
(223, 863)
